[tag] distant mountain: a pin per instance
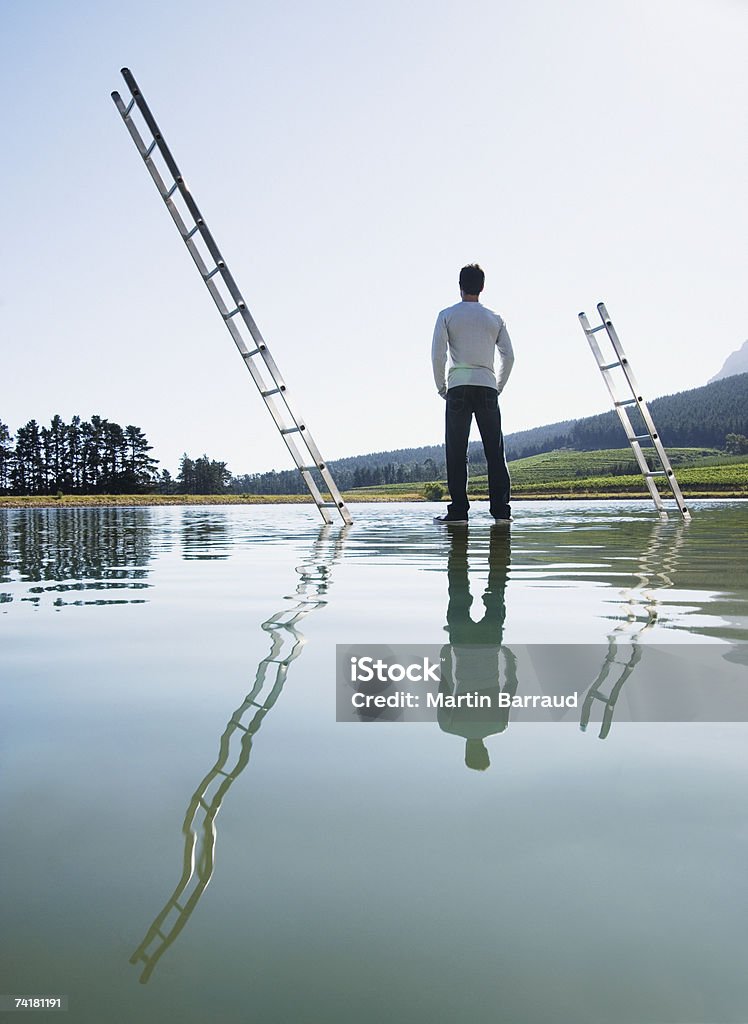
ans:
(736, 362)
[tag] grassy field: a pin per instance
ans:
(702, 473)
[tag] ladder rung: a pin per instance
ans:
(640, 437)
(628, 401)
(171, 191)
(239, 308)
(328, 504)
(594, 330)
(610, 366)
(260, 348)
(291, 430)
(273, 391)
(129, 107)
(656, 472)
(218, 267)
(308, 469)
(194, 231)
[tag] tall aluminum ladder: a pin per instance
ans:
(621, 405)
(227, 297)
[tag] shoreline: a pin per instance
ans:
(151, 500)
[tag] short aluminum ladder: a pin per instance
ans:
(606, 367)
(227, 297)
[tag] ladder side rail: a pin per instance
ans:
(667, 470)
(677, 493)
(194, 209)
(638, 400)
(641, 458)
(633, 385)
(296, 423)
(620, 409)
(260, 346)
(646, 415)
(635, 391)
(300, 431)
(605, 369)
(182, 227)
(590, 335)
(171, 164)
(218, 299)
(204, 273)
(622, 414)
(629, 375)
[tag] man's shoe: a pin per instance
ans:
(449, 519)
(503, 519)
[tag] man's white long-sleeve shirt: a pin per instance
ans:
(472, 334)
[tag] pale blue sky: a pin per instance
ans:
(349, 159)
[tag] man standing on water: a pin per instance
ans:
(472, 333)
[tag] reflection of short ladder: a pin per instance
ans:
(606, 366)
(235, 747)
(610, 697)
(227, 297)
(655, 572)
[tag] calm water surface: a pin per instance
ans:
(161, 665)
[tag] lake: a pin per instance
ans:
(162, 665)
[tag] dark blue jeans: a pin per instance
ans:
(462, 404)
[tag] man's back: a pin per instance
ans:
(472, 333)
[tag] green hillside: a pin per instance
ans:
(570, 465)
(700, 471)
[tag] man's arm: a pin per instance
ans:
(439, 355)
(504, 345)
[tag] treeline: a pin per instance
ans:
(361, 475)
(702, 417)
(95, 456)
(99, 456)
(688, 419)
(196, 476)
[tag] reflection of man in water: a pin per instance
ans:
(471, 661)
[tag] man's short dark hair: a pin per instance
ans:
(472, 279)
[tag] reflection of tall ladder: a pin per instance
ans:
(235, 747)
(606, 366)
(229, 300)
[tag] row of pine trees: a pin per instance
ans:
(96, 456)
(81, 457)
